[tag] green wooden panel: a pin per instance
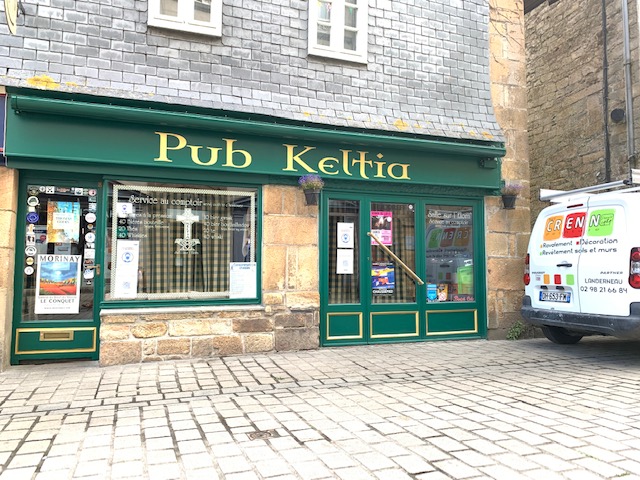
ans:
(121, 138)
(452, 322)
(344, 326)
(38, 342)
(394, 325)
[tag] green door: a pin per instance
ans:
(57, 270)
(398, 268)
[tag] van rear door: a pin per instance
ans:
(554, 253)
(603, 272)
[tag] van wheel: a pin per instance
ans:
(560, 335)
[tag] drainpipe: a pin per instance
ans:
(631, 150)
(605, 95)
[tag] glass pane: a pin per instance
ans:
(59, 246)
(202, 11)
(180, 242)
(449, 236)
(393, 224)
(324, 34)
(169, 7)
(344, 252)
(350, 14)
(324, 11)
(350, 40)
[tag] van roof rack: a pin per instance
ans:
(547, 195)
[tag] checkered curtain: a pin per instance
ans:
(165, 270)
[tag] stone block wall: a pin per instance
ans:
(566, 103)
(507, 231)
(8, 210)
(288, 318)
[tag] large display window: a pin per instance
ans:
(181, 242)
(449, 254)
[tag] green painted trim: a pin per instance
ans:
(51, 106)
(365, 305)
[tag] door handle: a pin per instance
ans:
(565, 264)
(94, 267)
(410, 272)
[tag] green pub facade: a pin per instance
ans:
(147, 230)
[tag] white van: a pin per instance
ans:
(582, 269)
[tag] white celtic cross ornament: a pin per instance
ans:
(187, 244)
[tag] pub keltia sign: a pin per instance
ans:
(117, 136)
(294, 158)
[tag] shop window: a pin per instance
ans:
(199, 16)
(338, 29)
(449, 253)
(181, 242)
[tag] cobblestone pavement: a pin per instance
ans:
(505, 410)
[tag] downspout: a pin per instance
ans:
(605, 95)
(631, 150)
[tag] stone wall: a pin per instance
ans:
(564, 46)
(8, 210)
(507, 231)
(287, 320)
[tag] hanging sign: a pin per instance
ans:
(58, 284)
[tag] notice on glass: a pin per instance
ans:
(242, 280)
(381, 227)
(63, 222)
(383, 278)
(126, 273)
(58, 284)
(344, 261)
(345, 235)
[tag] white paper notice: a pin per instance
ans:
(344, 261)
(345, 235)
(242, 280)
(126, 274)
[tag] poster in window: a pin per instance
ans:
(63, 222)
(383, 278)
(127, 270)
(345, 234)
(344, 261)
(58, 284)
(242, 278)
(381, 227)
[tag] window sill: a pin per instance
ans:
(347, 57)
(185, 27)
(155, 310)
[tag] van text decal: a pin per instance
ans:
(600, 224)
(574, 233)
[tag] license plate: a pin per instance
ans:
(563, 297)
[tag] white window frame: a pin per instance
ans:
(336, 48)
(184, 20)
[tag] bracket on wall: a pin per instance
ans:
(489, 162)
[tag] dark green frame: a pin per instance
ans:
(54, 178)
(421, 306)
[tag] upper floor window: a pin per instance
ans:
(199, 16)
(338, 29)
